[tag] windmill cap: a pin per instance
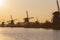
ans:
(56, 13)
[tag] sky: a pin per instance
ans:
(42, 9)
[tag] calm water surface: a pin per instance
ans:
(29, 34)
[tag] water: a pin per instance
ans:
(28, 34)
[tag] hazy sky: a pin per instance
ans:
(42, 9)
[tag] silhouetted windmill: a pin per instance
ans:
(37, 21)
(26, 20)
(56, 17)
(11, 22)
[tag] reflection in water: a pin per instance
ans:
(3, 37)
(28, 34)
(56, 34)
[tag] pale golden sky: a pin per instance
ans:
(42, 9)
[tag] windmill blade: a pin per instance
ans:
(10, 20)
(15, 19)
(27, 14)
(11, 17)
(36, 18)
(7, 21)
(31, 17)
(58, 5)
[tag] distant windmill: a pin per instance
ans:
(37, 21)
(11, 22)
(26, 20)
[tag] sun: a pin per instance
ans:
(1, 2)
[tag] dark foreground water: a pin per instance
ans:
(28, 34)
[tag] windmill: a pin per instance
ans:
(11, 22)
(26, 20)
(37, 21)
(56, 17)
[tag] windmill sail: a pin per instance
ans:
(11, 17)
(58, 5)
(27, 14)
